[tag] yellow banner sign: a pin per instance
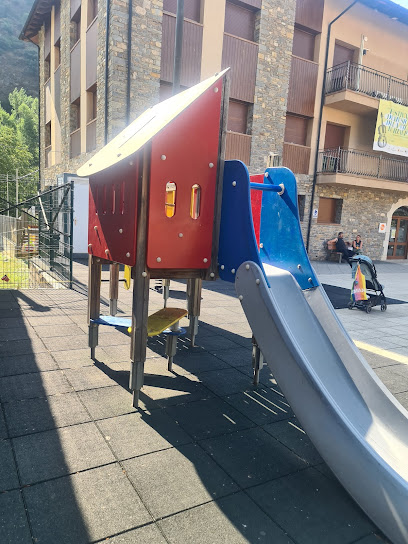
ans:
(391, 131)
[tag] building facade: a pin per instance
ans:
(98, 73)
(336, 83)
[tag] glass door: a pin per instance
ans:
(397, 244)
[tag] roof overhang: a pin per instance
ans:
(38, 13)
(390, 9)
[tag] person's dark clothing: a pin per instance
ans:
(342, 248)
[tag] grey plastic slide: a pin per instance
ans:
(357, 426)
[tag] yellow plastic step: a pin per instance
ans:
(163, 319)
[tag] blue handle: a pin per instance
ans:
(266, 187)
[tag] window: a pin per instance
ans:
(75, 28)
(75, 115)
(237, 116)
(92, 10)
(47, 145)
(296, 129)
(335, 136)
(192, 8)
(48, 134)
(91, 111)
(91, 108)
(343, 54)
(47, 68)
(301, 206)
(330, 210)
(170, 199)
(57, 51)
(195, 202)
(239, 22)
(303, 44)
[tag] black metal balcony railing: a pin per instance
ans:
(350, 161)
(359, 78)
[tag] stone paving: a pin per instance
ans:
(209, 459)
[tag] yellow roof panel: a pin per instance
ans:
(144, 128)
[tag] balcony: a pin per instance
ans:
(242, 57)
(75, 143)
(91, 136)
(302, 86)
(296, 157)
(238, 146)
(362, 169)
(357, 89)
(191, 53)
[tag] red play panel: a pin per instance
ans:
(180, 233)
(112, 210)
(256, 205)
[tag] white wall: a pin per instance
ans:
(81, 203)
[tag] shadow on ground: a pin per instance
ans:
(31, 458)
(208, 458)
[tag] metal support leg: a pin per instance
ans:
(94, 301)
(141, 280)
(257, 360)
(136, 380)
(93, 330)
(194, 288)
(171, 350)
(171, 345)
(166, 291)
(113, 288)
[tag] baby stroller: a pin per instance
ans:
(374, 289)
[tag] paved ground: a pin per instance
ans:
(208, 460)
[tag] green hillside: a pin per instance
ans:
(18, 60)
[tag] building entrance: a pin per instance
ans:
(398, 241)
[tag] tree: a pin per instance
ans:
(19, 134)
(14, 152)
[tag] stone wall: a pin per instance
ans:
(274, 32)
(363, 210)
(145, 74)
(66, 164)
(146, 56)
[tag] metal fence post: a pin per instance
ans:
(389, 87)
(71, 235)
(379, 166)
(7, 194)
(17, 193)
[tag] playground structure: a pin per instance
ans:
(156, 207)
(155, 201)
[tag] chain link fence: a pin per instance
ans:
(35, 233)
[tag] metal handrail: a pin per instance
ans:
(360, 163)
(365, 80)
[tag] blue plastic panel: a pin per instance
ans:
(280, 234)
(237, 235)
(281, 240)
(113, 321)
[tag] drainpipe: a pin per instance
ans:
(178, 46)
(129, 59)
(107, 67)
(39, 124)
(319, 122)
